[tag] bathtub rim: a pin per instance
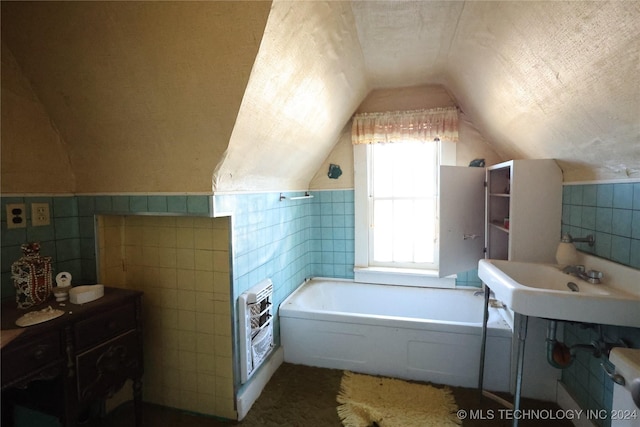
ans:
(497, 325)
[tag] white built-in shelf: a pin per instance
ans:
(499, 226)
(529, 193)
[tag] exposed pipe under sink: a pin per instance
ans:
(561, 356)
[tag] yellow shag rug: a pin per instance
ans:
(387, 402)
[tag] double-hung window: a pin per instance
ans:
(402, 209)
(396, 206)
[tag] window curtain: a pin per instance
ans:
(437, 124)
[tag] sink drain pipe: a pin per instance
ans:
(558, 353)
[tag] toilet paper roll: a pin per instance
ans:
(63, 279)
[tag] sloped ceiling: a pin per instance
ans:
(145, 94)
(159, 94)
(553, 80)
(307, 81)
(539, 80)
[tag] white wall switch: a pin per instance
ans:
(40, 214)
(16, 215)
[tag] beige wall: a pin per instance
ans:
(182, 266)
(34, 155)
(144, 94)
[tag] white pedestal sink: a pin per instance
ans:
(543, 290)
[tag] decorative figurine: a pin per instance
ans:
(31, 276)
(334, 171)
(63, 285)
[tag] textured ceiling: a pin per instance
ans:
(538, 79)
(406, 43)
(166, 92)
(553, 79)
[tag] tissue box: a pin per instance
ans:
(85, 293)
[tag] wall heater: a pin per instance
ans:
(255, 310)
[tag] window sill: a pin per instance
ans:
(403, 277)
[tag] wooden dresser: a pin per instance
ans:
(61, 366)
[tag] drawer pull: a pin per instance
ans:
(40, 352)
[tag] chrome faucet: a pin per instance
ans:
(591, 276)
(568, 238)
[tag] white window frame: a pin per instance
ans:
(363, 272)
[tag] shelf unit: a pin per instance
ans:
(529, 194)
(498, 210)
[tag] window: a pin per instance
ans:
(397, 157)
(402, 205)
(396, 208)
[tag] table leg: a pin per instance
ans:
(522, 335)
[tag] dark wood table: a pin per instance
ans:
(62, 365)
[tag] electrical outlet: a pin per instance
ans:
(40, 214)
(16, 215)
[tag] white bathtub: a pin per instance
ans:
(422, 334)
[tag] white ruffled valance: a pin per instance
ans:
(437, 124)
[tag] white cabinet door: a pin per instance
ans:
(462, 211)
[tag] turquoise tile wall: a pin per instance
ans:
(70, 238)
(60, 240)
(332, 234)
(469, 278)
(611, 212)
(270, 239)
(289, 240)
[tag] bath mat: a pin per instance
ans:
(387, 402)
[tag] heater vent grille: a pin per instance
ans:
(255, 309)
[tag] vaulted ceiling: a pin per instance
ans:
(170, 95)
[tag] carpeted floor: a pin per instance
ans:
(298, 396)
